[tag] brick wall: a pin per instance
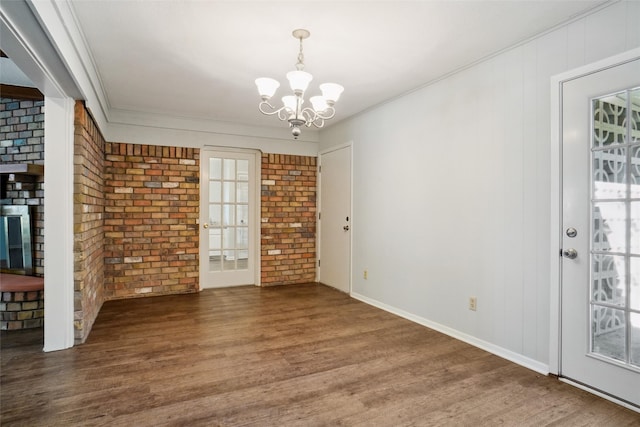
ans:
(88, 211)
(22, 141)
(151, 208)
(22, 310)
(288, 209)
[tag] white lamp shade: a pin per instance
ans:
(319, 103)
(331, 91)
(267, 87)
(290, 102)
(299, 80)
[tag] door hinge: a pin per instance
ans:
(318, 263)
(319, 215)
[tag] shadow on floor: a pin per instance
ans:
(21, 341)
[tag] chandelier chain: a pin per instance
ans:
(300, 64)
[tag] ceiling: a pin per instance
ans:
(199, 59)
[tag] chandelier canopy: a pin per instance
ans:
(321, 108)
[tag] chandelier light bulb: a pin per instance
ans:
(292, 110)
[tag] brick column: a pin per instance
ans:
(88, 237)
(288, 199)
(151, 208)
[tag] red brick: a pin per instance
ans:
(155, 217)
(290, 199)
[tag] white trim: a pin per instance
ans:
(58, 224)
(30, 48)
(60, 22)
(555, 226)
(257, 248)
(600, 394)
(509, 355)
(556, 194)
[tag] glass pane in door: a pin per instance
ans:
(229, 212)
(615, 234)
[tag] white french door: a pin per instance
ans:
(228, 214)
(600, 289)
(335, 218)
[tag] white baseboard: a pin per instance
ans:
(509, 355)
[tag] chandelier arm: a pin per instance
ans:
(264, 104)
(317, 119)
(323, 114)
(313, 118)
(283, 114)
(309, 115)
(318, 122)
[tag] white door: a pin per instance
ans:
(600, 333)
(228, 210)
(335, 218)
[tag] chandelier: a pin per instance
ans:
(292, 111)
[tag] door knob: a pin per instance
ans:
(205, 225)
(570, 253)
(345, 228)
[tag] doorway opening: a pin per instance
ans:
(21, 205)
(21, 210)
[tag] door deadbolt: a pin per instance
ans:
(570, 253)
(572, 232)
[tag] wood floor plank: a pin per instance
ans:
(302, 355)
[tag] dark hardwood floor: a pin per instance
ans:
(286, 356)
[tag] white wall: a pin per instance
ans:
(451, 189)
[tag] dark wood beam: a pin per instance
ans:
(20, 92)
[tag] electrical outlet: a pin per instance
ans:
(473, 303)
(365, 274)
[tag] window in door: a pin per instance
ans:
(615, 214)
(228, 214)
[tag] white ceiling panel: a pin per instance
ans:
(199, 59)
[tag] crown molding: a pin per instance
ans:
(59, 21)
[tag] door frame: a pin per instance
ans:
(555, 279)
(348, 144)
(25, 41)
(255, 248)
